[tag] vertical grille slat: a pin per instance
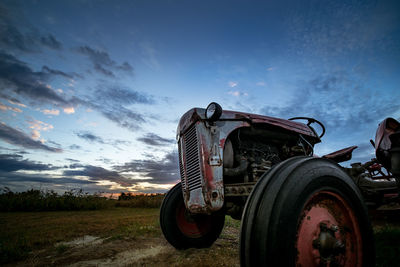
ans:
(189, 152)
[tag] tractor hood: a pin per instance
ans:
(198, 114)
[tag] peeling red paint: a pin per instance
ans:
(222, 142)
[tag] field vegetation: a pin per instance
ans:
(39, 200)
(100, 231)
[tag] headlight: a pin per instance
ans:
(213, 111)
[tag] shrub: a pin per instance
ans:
(37, 200)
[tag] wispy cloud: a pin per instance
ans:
(55, 112)
(28, 40)
(5, 108)
(90, 137)
(99, 174)
(48, 70)
(155, 140)
(237, 93)
(338, 101)
(15, 162)
(18, 138)
(102, 62)
(164, 171)
(114, 93)
(150, 55)
(50, 41)
(233, 84)
(17, 77)
(260, 84)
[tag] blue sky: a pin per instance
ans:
(91, 91)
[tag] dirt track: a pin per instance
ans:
(93, 251)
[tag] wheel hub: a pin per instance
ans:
(328, 233)
(328, 244)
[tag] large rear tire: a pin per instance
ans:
(306, 212)
(184, 230)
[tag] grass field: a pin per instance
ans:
(130, 236)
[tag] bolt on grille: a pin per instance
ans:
(189, 160)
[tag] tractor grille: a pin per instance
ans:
(189, 151)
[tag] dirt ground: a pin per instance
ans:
(152, 249)
(95, 251)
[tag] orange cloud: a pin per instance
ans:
(69, 110)
(51, 112)
(5, 108)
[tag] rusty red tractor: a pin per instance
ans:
(296, 208)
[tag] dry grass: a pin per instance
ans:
(24, 232)
(127, 234)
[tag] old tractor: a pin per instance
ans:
(296, 208)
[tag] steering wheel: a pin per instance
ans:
(309, 122)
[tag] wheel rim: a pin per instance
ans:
(328, 233)
(192, 226)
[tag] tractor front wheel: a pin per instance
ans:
(185, 230)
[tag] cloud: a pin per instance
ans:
(339, 102)
(46, 69)
(125, 67)
(12, 38)
(40, 125)
(233, 84)
(74, 147)
(237, 93)
(98, 174)
(16, 76)
(122, 116)
(15, 162)
(354, 28)
(69, 110)
(28, 39)
(14, 101)
(72, 160)
(26, 181)
(55, 112)
(150, 55)
(155, 140)
(110, 94)
(102, 61)
(112, 101)
(164, 171)
(260, 84)
(90, 137)
(16, 137)
(51, 42)
(5, 108)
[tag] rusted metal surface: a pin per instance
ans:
(196, 114)
(211, 140)
(235, 190)
(328, 233)
(341, 155)
(383, 142)
(201, 155)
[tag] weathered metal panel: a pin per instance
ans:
(196, 114)
(211, 141)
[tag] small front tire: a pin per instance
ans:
(184, 230)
